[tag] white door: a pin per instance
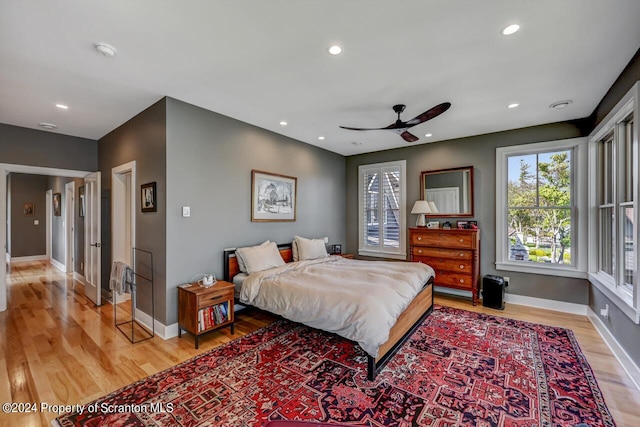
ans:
(92, 232)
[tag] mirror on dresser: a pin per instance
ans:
(449, 190)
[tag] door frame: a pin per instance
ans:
(70, 226)
(6, 168)
(48, 215)
(123, 216)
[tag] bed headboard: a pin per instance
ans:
(230, 261)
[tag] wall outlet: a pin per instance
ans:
(186, 211)
(326, 240)
(506, 281)
(604, 312)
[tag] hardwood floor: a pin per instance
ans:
(57, 348)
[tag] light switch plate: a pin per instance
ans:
(36, 222)
(186, 211)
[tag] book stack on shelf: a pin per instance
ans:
(213, 316)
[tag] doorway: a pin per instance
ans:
(123, 224)
(5, 169)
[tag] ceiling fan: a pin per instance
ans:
(401, 127)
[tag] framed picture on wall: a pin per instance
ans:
(28, 209)
(57, 202)
(273, 197)
(148, 197)
(81, 197)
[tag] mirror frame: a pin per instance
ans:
(423, 176)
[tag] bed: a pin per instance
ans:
(413, 303)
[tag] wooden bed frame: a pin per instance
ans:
(407, 322)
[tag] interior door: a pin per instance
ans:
(92, 233)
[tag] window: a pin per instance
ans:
(381, 196)
(538, 199)
(613, 197)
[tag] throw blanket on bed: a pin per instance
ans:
(358, 300)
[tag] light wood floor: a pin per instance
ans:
(57, 348)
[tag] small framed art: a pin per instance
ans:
(462, 224)
(28, 209)
(57, 204)
(148, 197)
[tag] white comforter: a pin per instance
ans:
(359, 300)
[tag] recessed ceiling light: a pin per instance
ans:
(560, 104)
(510, 29)
(47, 125)
(356, 143)
(321, 138)
(514, 105)
(105, 49)
(283, 123)
(428, 135)
(62, 106)
(335, 50)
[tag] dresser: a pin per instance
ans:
(453, 254)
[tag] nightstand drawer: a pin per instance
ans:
(462, 281)
(458, 266)
(210, 299)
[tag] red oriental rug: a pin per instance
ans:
(458, 369)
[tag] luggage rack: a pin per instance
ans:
(142, 274)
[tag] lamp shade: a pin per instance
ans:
(421, 207)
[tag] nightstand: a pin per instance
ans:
(202, 310)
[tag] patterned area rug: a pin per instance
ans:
(458, 369)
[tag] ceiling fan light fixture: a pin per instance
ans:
(47, 125)
(335, 50)
(561, 104)
(105, 49)
(510, 29)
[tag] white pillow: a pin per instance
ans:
(241, 264)
(294, 250)
(310, 248)
(259, 258)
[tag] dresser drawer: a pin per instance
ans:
(443, 239)
(445, 264)
(441, 252)
(446, 278)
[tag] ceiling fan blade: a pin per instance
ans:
(429, 114)
(349, 128)
(408, 136)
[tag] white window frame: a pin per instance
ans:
(628, 303)
(380, 250)
(579, 224)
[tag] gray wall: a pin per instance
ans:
(621, 327)
(143, 139)
(210, 158)
(22, 146)
(27, 239)
(480, 152)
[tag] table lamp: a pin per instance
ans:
(421, 207)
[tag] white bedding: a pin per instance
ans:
(359, 300)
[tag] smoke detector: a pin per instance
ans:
(47, 125)
(105, 49)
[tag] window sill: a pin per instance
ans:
(623, 302)
(541, 269)
(380, 254)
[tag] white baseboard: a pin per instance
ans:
(57, 264)
(627, 363)
(27, 258)
(565, 307)
(79, 277)
(163, 331)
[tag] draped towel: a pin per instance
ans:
(121, 278)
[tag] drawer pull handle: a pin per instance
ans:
(461, 240)
(461, 280)
(461, 266)
(419, 251)
(461, 253)
(419, 237)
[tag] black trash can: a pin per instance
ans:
(493, 292)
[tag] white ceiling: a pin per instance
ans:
(266, 61)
